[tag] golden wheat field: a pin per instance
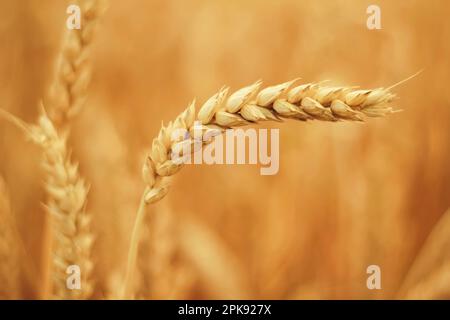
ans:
(86, 168)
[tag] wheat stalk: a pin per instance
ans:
(249, 105)
(69, 88)
(9, 248)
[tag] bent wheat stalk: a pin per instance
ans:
(72, 75)
(249, 105)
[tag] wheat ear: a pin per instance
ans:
(67, 95)
(9, 248)
(66, 201)
(72, 75)
(249, 105)
(67, 196)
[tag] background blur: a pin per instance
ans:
(347, 195)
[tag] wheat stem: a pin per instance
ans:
(134, 243)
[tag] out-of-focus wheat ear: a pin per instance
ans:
(9, 248)
(431, 266)
(66, 201)
(68, 93)
(215, 264)
(435, 285)
(68, 90)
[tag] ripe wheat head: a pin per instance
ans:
(252, 105)
(249, 105)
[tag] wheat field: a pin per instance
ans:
(85, 177)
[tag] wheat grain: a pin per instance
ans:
(246, 106)
(73, 72)
(9, 248)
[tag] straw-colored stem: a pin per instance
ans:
(133, 249)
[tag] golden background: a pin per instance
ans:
(347, 195)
